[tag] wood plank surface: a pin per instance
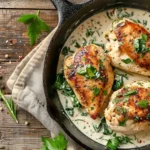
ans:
(27, 4)
(15, 43)
(15, 136)
(14, 40)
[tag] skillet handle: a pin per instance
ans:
(66, 9)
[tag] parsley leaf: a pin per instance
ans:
(96, 91)
(118, 83)
(127, 61)
(143, 104)
(66, 50)
(89, 72)
(36, 26)
(57, 143)
(132, 92)
(140, 44)
(66, 90)
(115, 142)
(89, 32)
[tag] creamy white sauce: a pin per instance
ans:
(100, 23)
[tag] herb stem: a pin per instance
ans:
(10, 109)
(38, 13)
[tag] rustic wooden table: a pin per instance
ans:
(15, 42)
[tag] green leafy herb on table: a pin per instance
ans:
(10, 106)
(36, 26)
(57, 143)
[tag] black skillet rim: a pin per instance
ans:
(45, 68)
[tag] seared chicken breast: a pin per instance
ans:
(129, 108)
(129, 46)
(90, 75)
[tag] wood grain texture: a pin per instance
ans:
(27, 4)
(19, 136)
(15, 42)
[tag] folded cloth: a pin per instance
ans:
(26, 84)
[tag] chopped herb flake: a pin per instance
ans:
(127, 61)
(148, 117)
(77, 45)
(70, 111)
(105, 92)
(89, 72)
(96, 91)
(89, 32)
(143, 104)
(115, 142)
(132, 92)
(65, 50)
(118, 83)
(140, 44)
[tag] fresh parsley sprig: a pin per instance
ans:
(10, 106)
(115, 142)
(57, 143)
(35, 26)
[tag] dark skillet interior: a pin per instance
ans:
(54, 106)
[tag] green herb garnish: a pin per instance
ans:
(143, 104)
(123, 123)
(70, 111)
(140, 44)
(99, 44)
(89, 72)
(96, 91)
(61, 84)
(10, 106)
(89, 32)
(115, 142)
(108, 15)
(145, 22)
(136, 118)
(84, 114)
(77, 45)
(36, 26)
(132, 92)
(127, 61)
(105, 92)
(107, 131)
(148, 117)
(118, 83)
(66, 50)
(82, 71)
(121, 110)
(84, 42)
(121, 13)
(116, 100)
(103, 124)
(57, 143)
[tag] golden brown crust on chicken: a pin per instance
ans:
(126, 34)
(91, 57)
(129, 108)
(121, 46)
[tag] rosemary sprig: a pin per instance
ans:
(10, 106)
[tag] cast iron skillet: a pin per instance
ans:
(70, 16)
